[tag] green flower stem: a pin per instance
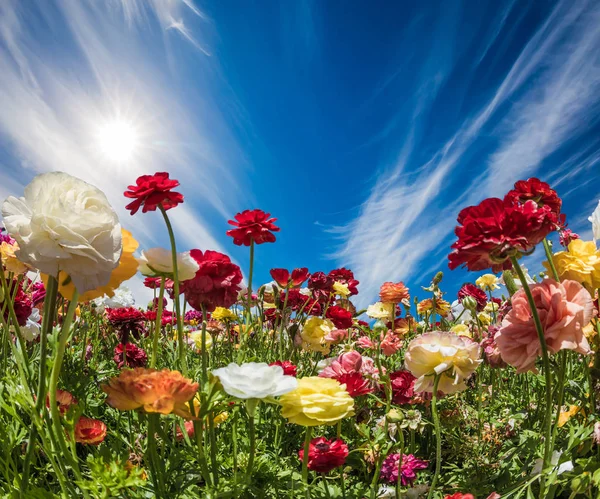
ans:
(307, 439)
(63, 338)
(438, 436)
(47, 323)
(561, 391)
(399, 482)
(13, 316)
(180, 345)
(547, 430)
(213, 448)
(153, 455)
(158, 324)
(251, 409)
(204, 352)
(549, 256)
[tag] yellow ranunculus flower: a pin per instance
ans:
(126, 269)
(454, 357)
(314, 332)
(564, 416)
(580, 263)
(488, 282)
(10, 260)
(221, 418)
(341, 289)
(222, 314)
(484, 318)
(196, 337)
(491, 307)
(317, 401)
(461, 330)
(442, 307)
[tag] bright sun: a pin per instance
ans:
(118, 141)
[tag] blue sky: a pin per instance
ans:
(364, 127)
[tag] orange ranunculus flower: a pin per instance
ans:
(64, 400)
(163, 391)
(89, 431)
(393, 292)
(442, 307)
(125, 270)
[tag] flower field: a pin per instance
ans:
(222, 387)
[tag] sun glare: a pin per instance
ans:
(118, 141)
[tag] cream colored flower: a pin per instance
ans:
(380, 310)
(595, 219)
(314, 332)
(157, 261)
(63, 223)
(488, 282)
(454, 357)
(196, 338)
(341, 289)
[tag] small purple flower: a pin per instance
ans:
(410, 465)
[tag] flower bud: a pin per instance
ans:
(379, 327)
(438, 278)
(469, 303)
(395, 416)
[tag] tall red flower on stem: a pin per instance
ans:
(494, 230)
(216, 283)
(151, 191)
(285, 280)
(253, 225)
(537, 191)
(474, 292)
(325, 455)
(345, 276)
(341, 318)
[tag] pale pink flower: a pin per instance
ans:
(336, 336)
(564, 309)
(390, 344)
(365, 342)
(347, 363)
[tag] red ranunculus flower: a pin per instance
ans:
(403, 387)
(22, 304)
(345, 276)
(89, 431)
(152, 191)
(355, 383)
(325, 455)
(495, 230)
(283, 278)
(321, 286)
(537, 191)
(341, 318)
(253, 225)
(298, 301)
(216, 284)
(289, 369)
(152, 282)
(134, 356)
(566, 236)
(474, 292)
(127, 321)
(459, 495)
(38, 293)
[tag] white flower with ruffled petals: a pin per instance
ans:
(157, 261)
(255, 380)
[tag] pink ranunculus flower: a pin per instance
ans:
(365, 342)
(336, 336)
(390, 344)
(564, 309)
(347, 363)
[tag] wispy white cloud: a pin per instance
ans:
(541, 104)
(55, 98)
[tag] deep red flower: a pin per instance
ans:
(537, 191)
(298, 301)
(89, 431)
(474, 292)
(341, 318)
(289, 369)
(38, 293)
(355, 383)
(152, 191)
(216, 284)
(459, 495)
(325, 455)
(194, 316)
(253, 225)
(495, 230)
(345, 276)
(566, 236)
(403, 387)
(284, 279)
(134, 356)
(152, 282)
(22, 303)
(321, 286)
(127, 321)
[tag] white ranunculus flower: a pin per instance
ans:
(160, 260)
(31, 329)
(255, 380)
(460, 313)
(63, 223)
(122, 298)
(380, 310)
(595, 219)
